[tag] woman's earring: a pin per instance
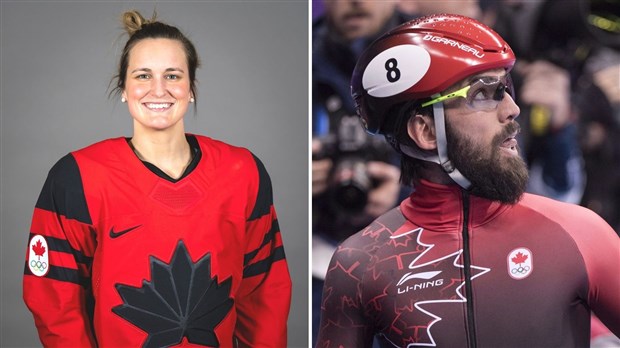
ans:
(191, 99)
(123, 100)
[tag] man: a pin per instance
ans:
(339, 37)
(342, 202)
(468, 259)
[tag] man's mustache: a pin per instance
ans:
(508, 131)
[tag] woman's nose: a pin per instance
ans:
(158, 87)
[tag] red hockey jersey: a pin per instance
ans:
(447, 269)
(121, 255)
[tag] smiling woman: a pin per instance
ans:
(162, 238)
(157, 80)
(157, 93)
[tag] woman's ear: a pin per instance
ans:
(421, 129)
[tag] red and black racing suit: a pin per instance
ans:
(449, 269)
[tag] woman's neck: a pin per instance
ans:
(168, 151)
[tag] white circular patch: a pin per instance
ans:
(520, 264)
(395, 70)
(38, 256)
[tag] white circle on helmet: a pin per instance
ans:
(395, 70)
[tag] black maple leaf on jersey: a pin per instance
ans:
(181, 300)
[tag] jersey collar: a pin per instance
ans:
(440, 208)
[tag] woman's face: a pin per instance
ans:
(157, 85)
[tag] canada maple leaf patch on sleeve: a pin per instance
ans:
(181, 300)
(38, 256)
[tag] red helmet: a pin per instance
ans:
(421, 58)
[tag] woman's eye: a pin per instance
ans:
(142, 76)
(172, 77)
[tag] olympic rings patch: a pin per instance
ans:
(520, 263)
(38, 256)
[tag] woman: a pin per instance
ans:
(164, 238)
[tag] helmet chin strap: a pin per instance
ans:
(441, 157)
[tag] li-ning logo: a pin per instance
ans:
(520, 264)
(461, 46)
(450, 294)
(423, 285)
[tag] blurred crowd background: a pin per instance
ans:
(567, 84)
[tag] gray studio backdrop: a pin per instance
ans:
(57, 58)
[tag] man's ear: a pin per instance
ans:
(421, 128)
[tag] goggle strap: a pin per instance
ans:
(442, 148)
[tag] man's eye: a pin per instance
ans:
(479, 94)
(507, 89)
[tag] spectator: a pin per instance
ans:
(354, 176)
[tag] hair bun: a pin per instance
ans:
(133, 21)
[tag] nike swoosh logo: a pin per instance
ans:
(120, 233)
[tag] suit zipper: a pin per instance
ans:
(471, 324)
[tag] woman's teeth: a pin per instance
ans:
(158, 106)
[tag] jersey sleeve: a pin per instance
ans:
(56, 282)
(343, 323)
(264, 296)
(600, 248)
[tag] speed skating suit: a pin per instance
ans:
(121, 256)
(449, 269)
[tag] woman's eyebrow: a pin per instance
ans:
(150, 70)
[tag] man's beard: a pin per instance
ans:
(493, 176)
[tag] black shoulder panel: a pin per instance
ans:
(63, 192)
(264, 199)
(267, 239)
(264, 266)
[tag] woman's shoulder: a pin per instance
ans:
(208, 141)
(103, 146)
(221, 149)
(67, 168)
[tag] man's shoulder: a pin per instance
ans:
(357, 252)
(566, 214)
(546, 204)
(379, 232)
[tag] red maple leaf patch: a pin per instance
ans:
(519, 258)
(38, 249)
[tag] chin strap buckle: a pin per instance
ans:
(448, 166)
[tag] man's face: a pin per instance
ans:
(482, 145)
(351, 19)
